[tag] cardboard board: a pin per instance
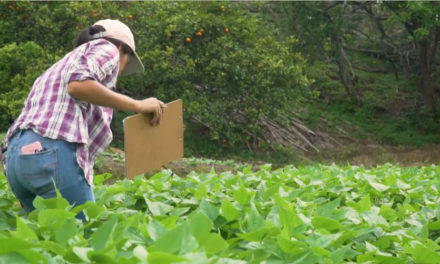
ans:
(148, 147)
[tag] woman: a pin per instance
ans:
(65, 123)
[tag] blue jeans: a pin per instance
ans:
(32, 175)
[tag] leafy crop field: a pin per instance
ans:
(316, 214)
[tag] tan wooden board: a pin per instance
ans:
(149, 147)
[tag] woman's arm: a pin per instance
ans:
(99, 61)
(95, 93)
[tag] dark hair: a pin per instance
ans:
(85, 35)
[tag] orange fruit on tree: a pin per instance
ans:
(17, 8)
(224, 140)
(130, 16)
(10, 7)
(199, 34)
(201, 30)
(95, 15)
(188, 40)
(226, 30)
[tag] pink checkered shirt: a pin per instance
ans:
(51, 112)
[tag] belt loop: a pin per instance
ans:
(19, 133)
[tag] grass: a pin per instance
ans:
(312, 214)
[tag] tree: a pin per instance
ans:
(227, 65)
(421, 22)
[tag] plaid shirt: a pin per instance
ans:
(51, 112)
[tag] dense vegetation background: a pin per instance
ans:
(280, 79)
(288, 82)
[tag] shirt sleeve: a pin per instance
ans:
(99, 61)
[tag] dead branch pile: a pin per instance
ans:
(296, 135)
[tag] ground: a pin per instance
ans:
(367, 155)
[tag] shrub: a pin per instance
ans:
(20, 65)
(224, 62)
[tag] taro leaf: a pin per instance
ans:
(23, 257)
(389, 260)
(200, 225)
(327, 209)
(317, 240)
(242, 196)
(289, 218)
(67, 231)
(213, 243)
(229, 211)
(434, 225)
(33, 256)
(5, 203)
(176, 240)
(13, 257)
(51, 203)
(378, 186)
(4, 225)
(271, 191)
(101, 178)
(437, 212)
(260, 234)
(307, 257)
(158, 208)
(363, 205)
(179, 211)
(168, 222)
(100, 258)
(133, 221)
(156, 229)
(338, 255)
(24, 231)
(209, 210)
(81, 208)
(53, 247)
(14, 244)
(82, 253)
(54, 217)
(247, 169)
(320, 222)
(422, 254)
(103, 235)
(255, 221)
(291, 246)
(164, 258)
(140, 253)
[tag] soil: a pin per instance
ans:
(367, 155)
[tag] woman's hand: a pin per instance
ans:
(151, 105)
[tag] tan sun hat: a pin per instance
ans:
(117, 30)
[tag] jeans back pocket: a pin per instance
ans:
(39, 171)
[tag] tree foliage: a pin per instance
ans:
(224, 62)
(403, 33)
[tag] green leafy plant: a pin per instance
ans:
(314, 214)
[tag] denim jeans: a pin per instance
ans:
(32, 175)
